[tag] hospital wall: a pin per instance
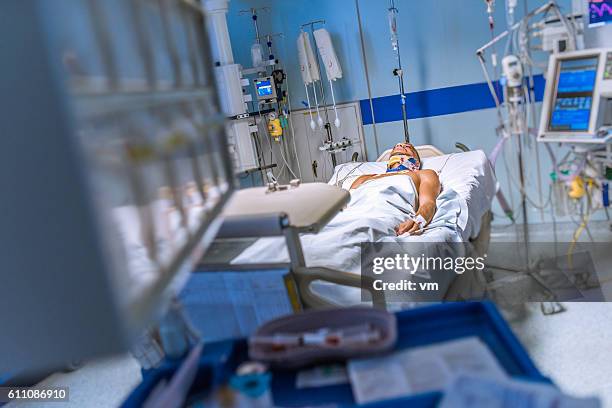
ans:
(438, 39)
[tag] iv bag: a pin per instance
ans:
(393, 28)
(328, 54)
(257, 55)
(303, 58)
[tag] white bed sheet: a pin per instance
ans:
(374, 211)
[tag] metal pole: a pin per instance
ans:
(400, 77)
(532, 108)
(523, 200)
(99, 23)
(367, 77)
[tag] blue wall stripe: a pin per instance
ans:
(436, 102)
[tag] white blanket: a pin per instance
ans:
(469, 174)
(375, 209)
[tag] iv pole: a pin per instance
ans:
(550, 5)
(398, 72)
(550, 307)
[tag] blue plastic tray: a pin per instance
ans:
(417, 327)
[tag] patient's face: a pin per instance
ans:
(404, 157)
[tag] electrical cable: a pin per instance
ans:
(267, 137)
(491, 87)
(554, 222)
(289, 117)
(280, 149)
(577, 233)
(539, 206)
(446, 161)
(338, 183)
(509, 184)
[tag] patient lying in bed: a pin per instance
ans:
(391, 207)
(405, 161)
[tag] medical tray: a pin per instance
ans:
(416, 327)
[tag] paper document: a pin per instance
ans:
(421, 369)
(482, 392)
(322, 376)
(223, 305)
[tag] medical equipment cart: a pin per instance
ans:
(416, 327)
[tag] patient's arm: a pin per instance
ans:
(428, 185)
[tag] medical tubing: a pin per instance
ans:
(297, 159)
(530, 112)
(554, 222)
(259, 148)
(513, 181)
(280, 149)
(308, 100)
(570, 31)
(577, 233)
(268, 138)
(339, 184)
(509, 41)
(505, 160)
(559, 175)
(491, 88)
(446, 161)
(290, 120)
(496, 150)
(331, 87)
(319, 119)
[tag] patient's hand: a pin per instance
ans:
(427, 211)
(408, 226)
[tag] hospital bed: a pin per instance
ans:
(321, 277)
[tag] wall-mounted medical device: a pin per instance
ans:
(265, 89)
(577, 105)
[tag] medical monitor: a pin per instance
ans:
(578, 88)
(265, 88)
(573, 103)
(600, 12)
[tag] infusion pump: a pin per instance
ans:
(577, 105)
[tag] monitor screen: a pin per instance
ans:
(264, 88)
(600, 12)
(576, 79)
